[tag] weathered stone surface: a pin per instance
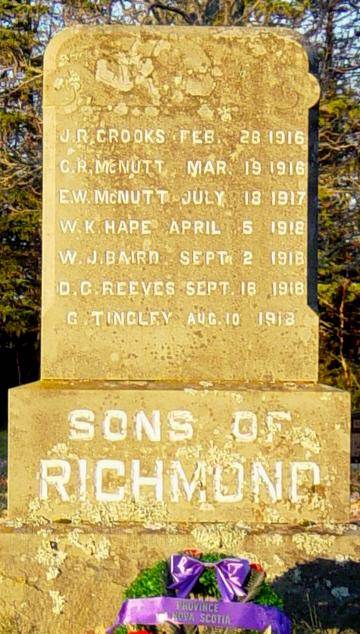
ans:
(176, 208)
(70, 580)
(276, 454)
(177, 265)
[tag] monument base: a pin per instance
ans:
(70, 580)
(110, 452)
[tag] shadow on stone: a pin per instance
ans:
(322, 594)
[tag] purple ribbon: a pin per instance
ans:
(158, 610)
(230, 573)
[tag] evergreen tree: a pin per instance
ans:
(25, 29)
(20, 162)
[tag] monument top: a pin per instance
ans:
(176, 222)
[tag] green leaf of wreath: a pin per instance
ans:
(154, 582)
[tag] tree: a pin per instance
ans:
(339, 288)
(20, 161)
(25, 28)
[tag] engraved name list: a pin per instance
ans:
(180, 221)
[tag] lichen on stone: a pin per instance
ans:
(96, 546)
(313, 544)
(58, 601)
(14, 523)
(307, 438)
(271, 515)
(146, 512)
(62, 450)
(274, 540)
(215, 537)
(50, 556)
(37, 512)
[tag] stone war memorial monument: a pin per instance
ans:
(179, 403)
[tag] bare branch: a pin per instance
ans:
(164, 7)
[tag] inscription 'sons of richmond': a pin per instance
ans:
(118, 424)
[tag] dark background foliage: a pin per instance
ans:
(333, 29)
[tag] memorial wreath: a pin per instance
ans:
(193, 589)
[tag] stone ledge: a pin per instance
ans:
(103, 455)
(198, 386)
(69, 580)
